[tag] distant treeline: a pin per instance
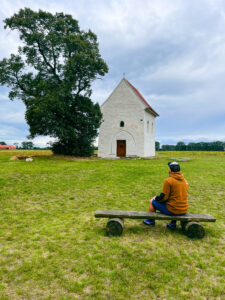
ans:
(26, 146)
(201, 146)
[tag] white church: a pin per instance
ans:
(128, 124)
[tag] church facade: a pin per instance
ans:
(128, 124)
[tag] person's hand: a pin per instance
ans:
(153, 198)
(151, 207)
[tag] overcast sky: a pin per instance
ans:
(172, 51)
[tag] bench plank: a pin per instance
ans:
(151, 215)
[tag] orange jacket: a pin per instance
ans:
(175, 190)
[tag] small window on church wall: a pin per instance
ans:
(122, 124)
(147, 126)
(152, 127)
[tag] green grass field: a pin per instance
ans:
(52, 247)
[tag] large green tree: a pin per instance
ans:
(52, 74)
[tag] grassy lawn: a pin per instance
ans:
(52, 247)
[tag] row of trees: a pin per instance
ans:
(26, 145)
(201, 146)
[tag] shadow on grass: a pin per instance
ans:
(141, 230)
(158, 230)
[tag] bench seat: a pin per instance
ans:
(152, 215)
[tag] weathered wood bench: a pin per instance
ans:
(189, 222)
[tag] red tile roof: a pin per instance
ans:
(7, 147)
(141, 97)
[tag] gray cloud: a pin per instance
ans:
(173, 52)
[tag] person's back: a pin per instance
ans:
(175, 188)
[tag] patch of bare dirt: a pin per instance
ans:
(22, 157)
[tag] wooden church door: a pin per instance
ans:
(121, 148)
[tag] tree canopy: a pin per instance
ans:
(201, 146)
(27, 145)
(52, 74)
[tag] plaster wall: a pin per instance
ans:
(124, 105)
(149, 134)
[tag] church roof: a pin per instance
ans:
(142, 98)
(7, 147)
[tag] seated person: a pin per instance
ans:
(173, 200)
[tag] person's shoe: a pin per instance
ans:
(149, 222)
(172, 225)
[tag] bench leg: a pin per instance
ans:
(114, 227)
(194, 230)
(183, 224)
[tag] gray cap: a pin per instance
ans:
(174, 166)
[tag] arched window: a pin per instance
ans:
(122, 124)
(147, 126)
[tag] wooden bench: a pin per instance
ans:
(189, 222)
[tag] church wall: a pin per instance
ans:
(149, 134)
(122, 105)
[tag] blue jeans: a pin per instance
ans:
(161, 206)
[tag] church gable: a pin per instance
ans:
(149, 108)
(126, 95)
(122, 97)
